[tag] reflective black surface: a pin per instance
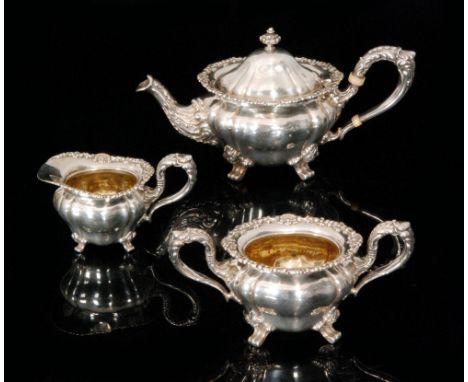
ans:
(71, 80)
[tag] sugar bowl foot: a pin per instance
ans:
(261, 329)
(325, 325)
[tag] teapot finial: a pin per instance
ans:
(270, 39)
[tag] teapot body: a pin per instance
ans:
(292, 302)
(271, 135)
(272, 108)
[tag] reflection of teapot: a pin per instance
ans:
(291, 272)
(329, 364)
(219, 209)
(108, 291)
(104, 198)
(271, 108)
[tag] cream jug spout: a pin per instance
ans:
(190, 121)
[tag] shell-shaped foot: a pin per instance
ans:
(325, 325)
(81, 243)
(261, 329)
(127, 242)
(303, 170)
(238, 171)
(330, 333)
(259, 335)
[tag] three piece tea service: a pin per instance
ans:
(289, 272)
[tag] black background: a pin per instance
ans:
(71, 73)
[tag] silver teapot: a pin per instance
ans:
(271, 108)
(291, 272)
(104, 198)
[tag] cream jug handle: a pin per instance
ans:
(403, 234)
(404, 61)
(185, 162)
(177, 239)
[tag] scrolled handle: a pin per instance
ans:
(405, 63)
(183, 161)
(177, 239)
(403, 233)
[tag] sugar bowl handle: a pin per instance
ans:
(405, 63)
(403, 235)
(183, 161)
(177, 239)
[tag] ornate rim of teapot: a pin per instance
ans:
(348, 240)
(209, 81)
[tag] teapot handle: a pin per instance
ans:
(177, 239)
(403, 235)
(405, 63)
(185, 162)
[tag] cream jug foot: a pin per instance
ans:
(325, 325)
(81, 243)
(127, 241)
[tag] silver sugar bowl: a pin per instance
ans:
(104, 198)
(291, 272)
(271, 108)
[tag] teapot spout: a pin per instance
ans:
(190, 121)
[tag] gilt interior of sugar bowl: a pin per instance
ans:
(292, 250)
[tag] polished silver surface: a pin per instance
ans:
(107, 288)
(327, 364)
(111, 291)
(106, 218)
(271, 108)
(291, 299)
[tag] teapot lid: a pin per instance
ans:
(270, 76)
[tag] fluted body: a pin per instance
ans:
(270, 135)
(292, 302)
(100, 221)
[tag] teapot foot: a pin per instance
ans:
(238, 171)
(81, 243)
(301, 163)
(303, 170)
(325, 325)
(261, 329)
(239, 163)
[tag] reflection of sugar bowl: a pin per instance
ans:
(104, 198)
(291, 272)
